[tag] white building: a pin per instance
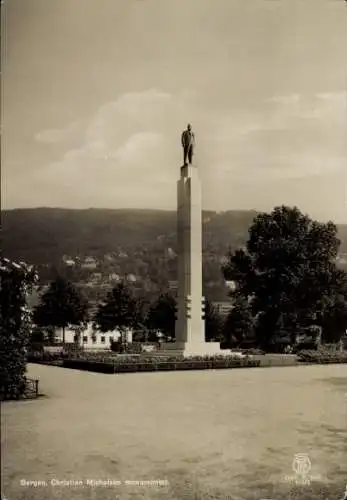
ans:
(223, 307)
(173, 285)
(90, 338)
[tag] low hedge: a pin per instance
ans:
(46, 357)
(157, 364)
(322, 357)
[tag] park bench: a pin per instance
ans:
(31, 388)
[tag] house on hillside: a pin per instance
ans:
(231, 285)
(89, 263)
(171, 253)
(342, 258)
(223, 260)
(114, 277)
(68, 261)
(109, 257)
(96, 277)
(173, 285)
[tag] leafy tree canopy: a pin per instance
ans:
(213, 323)
(119, 310)
(162, 315)
(239, 324)
(61, 306)
(288, 271)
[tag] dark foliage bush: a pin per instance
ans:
(306, 346)
(116, 346)
(15, 326)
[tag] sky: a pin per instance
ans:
(95, 96)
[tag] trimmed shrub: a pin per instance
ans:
(160, 363)
(253, 352)
(322, 357)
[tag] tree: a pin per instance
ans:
(61, 306)
(287, 271)
(142, 307)
(37, 335)
(239, 324)
(15, 326)
(119, 311)
(213, 323)
(162, 315)
(334, 318)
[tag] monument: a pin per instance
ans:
(190, 322)
(188, 144)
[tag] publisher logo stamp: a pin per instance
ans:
(301, 466)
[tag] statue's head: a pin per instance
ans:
(189, 127)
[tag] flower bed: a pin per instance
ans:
(322, 357)
(126, 364)
(253, 351)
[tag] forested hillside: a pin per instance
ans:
(137, 243)
(43, 235)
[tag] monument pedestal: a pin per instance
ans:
(188, 349)
(190, 324)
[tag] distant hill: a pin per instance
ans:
(44, 235)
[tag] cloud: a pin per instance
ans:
(284, 99)
(53, 136)
(137, 146)
(129, 151)
(332, 96)
(136, 137)
(284, 137)
(129, 145)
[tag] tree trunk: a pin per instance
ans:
(63, 334)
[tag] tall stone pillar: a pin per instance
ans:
(190, 323)
(190, 327)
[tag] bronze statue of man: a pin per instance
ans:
(188, 144)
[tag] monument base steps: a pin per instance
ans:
(188, 349)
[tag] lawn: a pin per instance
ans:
(228, 434)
